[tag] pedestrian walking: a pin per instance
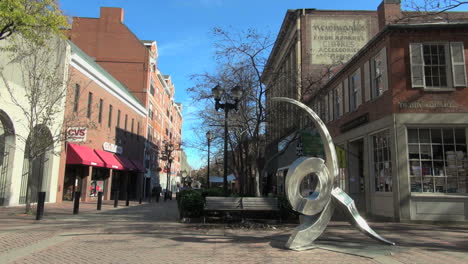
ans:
(157, 192)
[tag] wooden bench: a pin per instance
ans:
(222, 204)
(260, 205)
(245, 205)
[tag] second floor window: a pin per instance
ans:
(77, 98)
(437, 65)
(353, 91)
(101, 105)
(377, 68)
(90, 105)
(118, 118)
(109, 121)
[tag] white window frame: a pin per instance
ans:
(418, 79)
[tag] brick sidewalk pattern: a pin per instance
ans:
(151, 233)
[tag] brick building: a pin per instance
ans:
(134, 63)
(104, 125)
(397, 108)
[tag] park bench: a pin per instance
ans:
(222, 205)
(260, 206)
(246, 206)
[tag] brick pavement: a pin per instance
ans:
(150, 233)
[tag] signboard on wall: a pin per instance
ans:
(76, 134)
(336, 39)
(312, 144)
(112, 148)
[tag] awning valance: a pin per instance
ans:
(128, 165)
(139, 165)
(77, 154)
(110, 160)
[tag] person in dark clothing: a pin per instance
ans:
(157, 192)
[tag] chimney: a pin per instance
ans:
(112, 13)
(388, 12)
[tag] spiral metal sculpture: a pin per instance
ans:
(317, 212)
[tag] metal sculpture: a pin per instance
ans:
(318, 210)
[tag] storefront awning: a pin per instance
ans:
(77, 154)
(128, 165)
(139, 165)
(110, 160)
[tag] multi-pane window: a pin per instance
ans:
(353, 91)
(109, 121)
(118, 118)
(101, 105)
(377, 68)
(90, 105)
(438, 160)
(336, 106)
(150, 111)
(437, 65)
(382, 165)
(77, 98)
(152, 89)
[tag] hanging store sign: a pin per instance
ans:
(112, 148)
(76, 134)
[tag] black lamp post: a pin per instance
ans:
(208, 138)
(236, 94)
(167, 156)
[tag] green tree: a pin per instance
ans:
(35, 20)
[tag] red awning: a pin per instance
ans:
(77, 154)
(128, 165)
(139, 165)
(110, 160)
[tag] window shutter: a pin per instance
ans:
(417, 65)
(325, 102)
(359, 88)
(383, 55)
(330, 105)
(340, 100)
(367, 81)
(346, 96)
(458, 64)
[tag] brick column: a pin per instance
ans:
(86, 183)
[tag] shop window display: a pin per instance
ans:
(382, 165)
(438, 160)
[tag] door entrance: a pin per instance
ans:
(356, 177)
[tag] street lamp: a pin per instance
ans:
(236, 94)
(208, 138)
(167, 156)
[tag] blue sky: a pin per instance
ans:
(182, 30)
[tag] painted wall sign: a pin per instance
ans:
(336, 39)
(76, 134)
(112, 148)
(427, 104)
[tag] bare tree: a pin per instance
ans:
(241, 57)
(433, 6)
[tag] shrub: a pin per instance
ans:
(190, 203)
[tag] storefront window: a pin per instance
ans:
(382, 165)
(438, 160)
(97, 181)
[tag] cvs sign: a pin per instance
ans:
(76, 134)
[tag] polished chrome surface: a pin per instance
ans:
(318, 211)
